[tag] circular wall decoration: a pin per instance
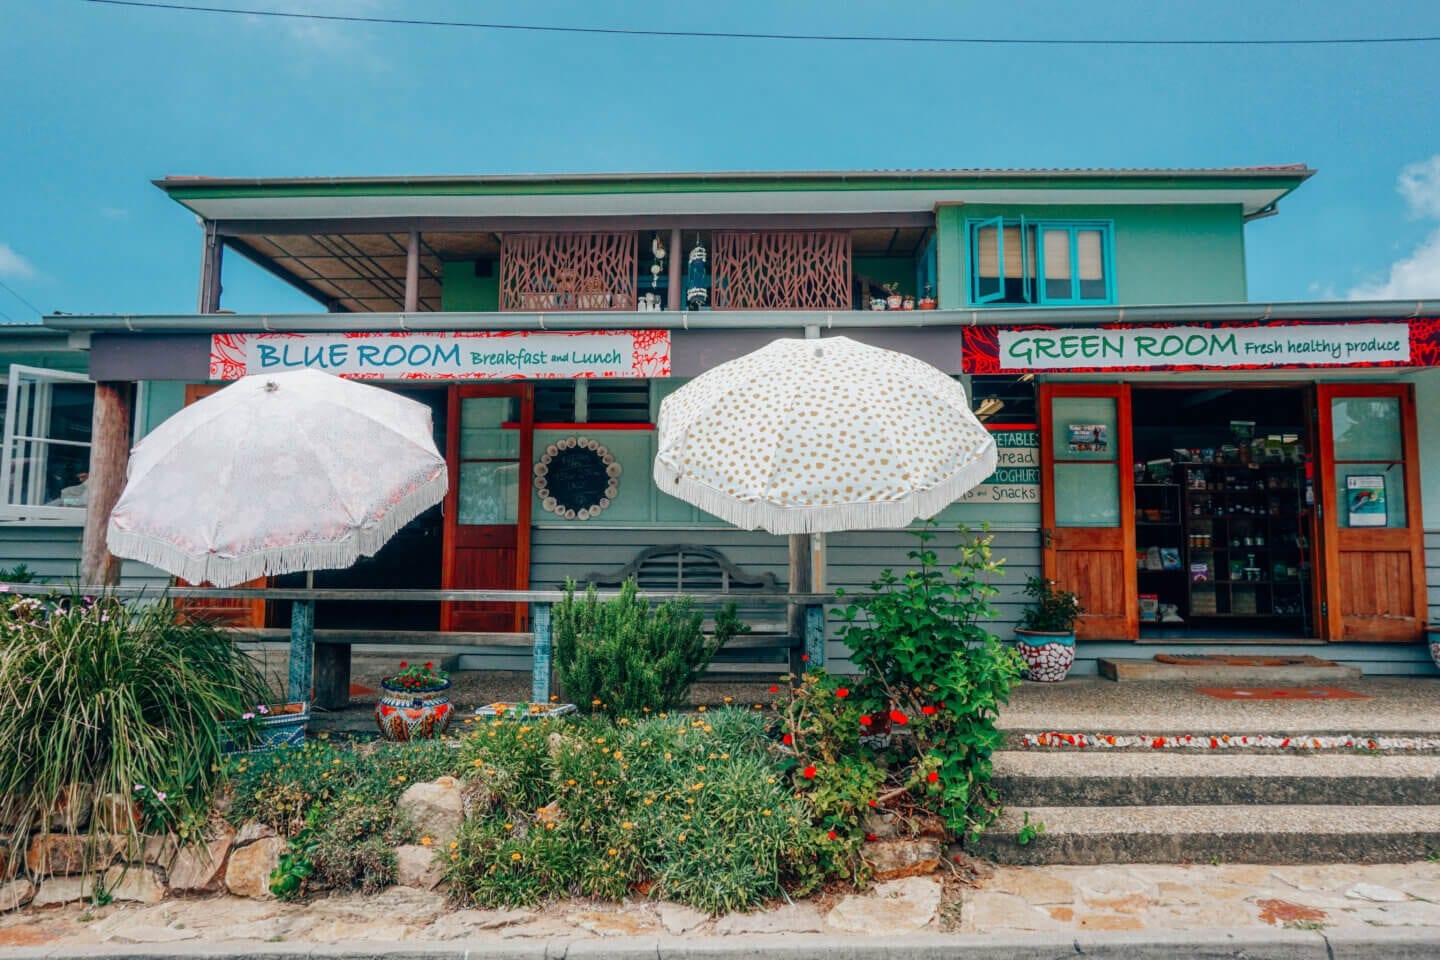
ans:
(576, 478)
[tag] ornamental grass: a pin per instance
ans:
(99, 698)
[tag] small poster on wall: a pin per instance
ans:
(1088, 437)
(1365, 500)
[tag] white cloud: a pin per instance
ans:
(1420, 186)
(1415, 276)
(14, 265)
(332, 38)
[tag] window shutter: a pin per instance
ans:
(1092, 259)
(987, 253)
(1057, 254)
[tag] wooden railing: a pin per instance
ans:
(302, 615)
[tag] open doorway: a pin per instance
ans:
(1224, 513)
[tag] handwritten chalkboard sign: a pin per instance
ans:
(576, 478)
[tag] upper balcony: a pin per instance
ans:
(741, 242)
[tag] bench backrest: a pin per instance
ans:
(690, 568)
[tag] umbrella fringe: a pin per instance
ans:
(800, 518)
(223, 571)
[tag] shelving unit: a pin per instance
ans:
(1247, 550)
(1224, 542)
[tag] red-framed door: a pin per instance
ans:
(1088, 503)
(1372, 534)
(489, 444)
(247, 614)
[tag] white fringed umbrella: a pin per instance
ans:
(809, 436)
(277, 473)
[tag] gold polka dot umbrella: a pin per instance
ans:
(809, 436)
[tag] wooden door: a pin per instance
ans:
(1372, 537)
(487, 510)
(248, 614)
(1088, 504)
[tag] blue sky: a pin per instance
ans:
(99, 100)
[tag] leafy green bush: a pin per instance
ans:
(931, 668)
(1051, 610)
(114, 698)
(623, 657)
(695, 809)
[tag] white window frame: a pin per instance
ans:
(42, 379)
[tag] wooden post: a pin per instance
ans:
(109, 455)
(675, 293)
(302, 649)
(212, 254)
(332, 676)
(540, 653)
(412, 273)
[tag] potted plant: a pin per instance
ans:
(909, 303)
(1046, 635)
(927, 302)
(265, 726)
(893, 298)
(414, 703)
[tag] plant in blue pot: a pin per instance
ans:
(1046, 635)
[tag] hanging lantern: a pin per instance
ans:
(697, 278)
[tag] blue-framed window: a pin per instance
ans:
(1017, 261)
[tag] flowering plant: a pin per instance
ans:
(418, 678)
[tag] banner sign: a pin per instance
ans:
(1017, 469)
(446, 355)
(1257, 345)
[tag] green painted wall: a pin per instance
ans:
(163, 399)
(74, 361)
(461, 290)
(899, 270)
(1427, 423)
(1163, 253)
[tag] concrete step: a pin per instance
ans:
(1318, 672)
(1215, 834)
(1117, 778)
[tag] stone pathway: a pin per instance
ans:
(1007, 901)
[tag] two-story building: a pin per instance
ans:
(1205, 471)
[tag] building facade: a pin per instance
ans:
(1205, 471)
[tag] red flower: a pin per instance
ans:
(871, 836)
(929, 710)
(429, 666)
(842, 692)
(933, 776)
(809, 772)
(787, 739)
(832, 834)
(804, 658)
(898, 718)
(872, 803)
(403, 664)
(865, 720)
(774, 689)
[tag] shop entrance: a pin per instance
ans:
(1225, 519)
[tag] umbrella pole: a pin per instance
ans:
(302, 644)
(804, 621)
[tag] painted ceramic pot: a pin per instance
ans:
(1048, 656)
(893, 301)
(405, 714)
(1434, 638)
(282, 725)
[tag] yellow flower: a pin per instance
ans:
(426, 841)
(724, 756)
(628, 825)
(454, 845)
(569, 783)
(554, 697)
(595, 702)
(667, 755)
(612, 851)
(765, 812)
(700, 709)
(647, 801)
(455, 856)
(514, 856)
(700, 785)
(509, 826)
(549, 826)
(758, 707)
(729, 699)
(479, 761)
(682, 838)
(524, 729)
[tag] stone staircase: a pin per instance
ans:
(1188, 805)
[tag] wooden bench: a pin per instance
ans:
(768, 647)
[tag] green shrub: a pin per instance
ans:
(622, 657)
(931, 668)
(114, 698)
(692, 808)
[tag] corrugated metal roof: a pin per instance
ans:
(1288, 170)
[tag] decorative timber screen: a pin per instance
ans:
(781, 270)
(567, 271)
